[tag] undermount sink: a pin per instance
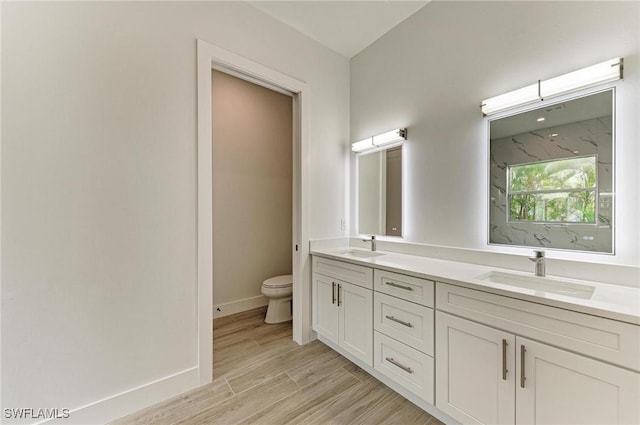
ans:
(362, 254)
(541, 284)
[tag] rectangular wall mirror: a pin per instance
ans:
(551, 176)
(380, 192)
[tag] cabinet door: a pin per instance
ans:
(475, 367)
(356, 321)
(560, 387)
(325, 307)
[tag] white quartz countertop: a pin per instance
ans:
(611, 301)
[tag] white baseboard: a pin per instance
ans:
(221, 310)
(130, 401)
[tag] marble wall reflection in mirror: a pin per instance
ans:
(551, 176)
(380, 192)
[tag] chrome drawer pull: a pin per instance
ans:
(522, 358)
(408, 288)
(504, 360)
(401, 366)
(402, 322)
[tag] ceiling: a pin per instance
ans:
(346, 27)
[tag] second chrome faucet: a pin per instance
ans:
(538, 258)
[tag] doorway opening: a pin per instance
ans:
(212, 57)
(252, 163)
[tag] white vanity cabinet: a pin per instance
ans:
(475, 378)
(342, 306)
(557, 386)
(403, 339)
(464, 353)
(494, 372)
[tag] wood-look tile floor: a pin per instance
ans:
(263, 377)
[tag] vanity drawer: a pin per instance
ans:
(409, 323)
(352, 273)
(606, 339)
(406, 287)
(406, 366)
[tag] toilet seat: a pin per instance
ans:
(279, 281)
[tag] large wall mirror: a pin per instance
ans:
(551, 176)
(380, 192)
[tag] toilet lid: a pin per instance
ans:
(279, 281)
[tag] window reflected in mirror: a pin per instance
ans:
(560, 190)
(380, 192)
(551, 176)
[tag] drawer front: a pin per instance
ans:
(406, 366)
(404, 321)
(352, 273)
(406, 287)
(606, 339)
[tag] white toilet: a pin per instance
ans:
(279, 290)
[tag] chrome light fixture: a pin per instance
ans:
(390, 137)
(371, 143)
(604, 72)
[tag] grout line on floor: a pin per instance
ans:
(229, 385)
(352, 374)
(294, 381)
(275, 402)
(260, 383)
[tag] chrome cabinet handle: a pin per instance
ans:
(339, 287)
(504, 360)
(401, 366)
(333, 292)
(522, 377)
(407, 288)
(402, 322)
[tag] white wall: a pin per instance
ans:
(252, 189)
(99, 184)
(430, 74)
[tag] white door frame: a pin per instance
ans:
(209, 57)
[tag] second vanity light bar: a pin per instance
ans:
(604, 72)
(374, 142)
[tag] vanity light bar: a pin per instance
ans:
(362, 145)
(390, 137)
(509, 100)
(604, 72)
(374, 142)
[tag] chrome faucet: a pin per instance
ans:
(539, 260)
(373, 242)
